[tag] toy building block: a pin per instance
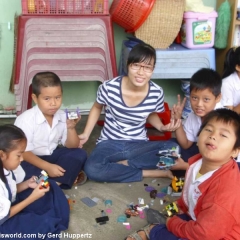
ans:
(73, 114)
(171, 209)
(43, 178)
(177, 184)
(167, 158)
(132, 211)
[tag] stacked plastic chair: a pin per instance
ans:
(76, 48)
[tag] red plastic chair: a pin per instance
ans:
(165, 117)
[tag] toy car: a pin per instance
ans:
(43, 178)
(177, 184)
(172, 209)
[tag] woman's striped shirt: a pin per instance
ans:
(123, 122)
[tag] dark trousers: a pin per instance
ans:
(161, 232)
(70, 159)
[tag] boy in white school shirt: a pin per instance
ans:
(52, 140)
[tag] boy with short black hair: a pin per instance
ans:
(209, 204)
(47, 131)
(205, 96)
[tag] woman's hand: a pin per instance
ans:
(172, 126)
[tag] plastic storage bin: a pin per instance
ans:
(65, 7)
(198, 29)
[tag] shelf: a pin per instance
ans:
(8, 116)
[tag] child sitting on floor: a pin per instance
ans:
(205, 96)
(52, 139)
(26, 208)
(210, 197)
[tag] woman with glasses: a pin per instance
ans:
(123, 152)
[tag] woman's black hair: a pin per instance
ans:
(227, 116)
(142, 52)
(232, 59)
(10, 136)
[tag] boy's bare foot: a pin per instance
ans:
(141, 234)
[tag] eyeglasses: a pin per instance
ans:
(137, 66)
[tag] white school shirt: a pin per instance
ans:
(41, 138)
(5, 203)
(193, 123)
(191, 192)
(231, 90)
(231, 93)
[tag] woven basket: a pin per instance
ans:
(163, 23)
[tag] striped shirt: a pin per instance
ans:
(123, 122)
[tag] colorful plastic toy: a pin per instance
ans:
(73, 114)
(177, 184)
(172, 209)
(43, 178)
(167, 158)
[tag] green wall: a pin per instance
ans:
(81, 94)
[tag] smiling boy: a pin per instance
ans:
(205, 96)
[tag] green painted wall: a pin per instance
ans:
(80, 94)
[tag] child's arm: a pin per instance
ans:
(180, 165)
(182, 138)
(72, 140)
(36, 194)
(92, 120)
(53, 170)
(26, 184)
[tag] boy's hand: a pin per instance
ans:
(172, 126)
(177, 109)
(38, 192)
(71, 123)
(180, 165)
(32, 182)
(83, 139)
(55, 170)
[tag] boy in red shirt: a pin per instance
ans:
(210, 197)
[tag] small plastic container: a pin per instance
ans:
(198, 29)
